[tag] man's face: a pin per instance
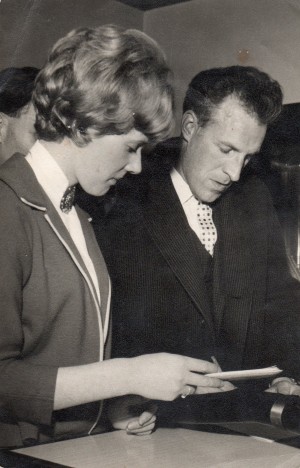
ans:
(17, 134)
(213, 156)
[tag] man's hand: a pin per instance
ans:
(285, 386)
(134, 414)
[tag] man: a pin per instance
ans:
(196, 258)
(17, 115)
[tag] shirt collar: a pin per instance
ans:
(48, 173)
(182, 188)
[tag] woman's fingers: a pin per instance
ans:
(227, 386)
(203, 381)
(203, 390)
(203, 367)
(206, 384)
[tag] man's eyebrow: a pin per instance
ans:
(236, 149)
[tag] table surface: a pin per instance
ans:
(167, 448)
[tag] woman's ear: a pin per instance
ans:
(189, 125)
(3, 126)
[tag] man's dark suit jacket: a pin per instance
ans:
(246, 311)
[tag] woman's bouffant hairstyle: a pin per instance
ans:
(259, 94)
(104, 81)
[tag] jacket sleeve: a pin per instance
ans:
(26, 389)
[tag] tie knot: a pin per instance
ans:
(203, 208)
(67, 200)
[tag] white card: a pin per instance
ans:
(247, 374)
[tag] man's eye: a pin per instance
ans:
(226, 150)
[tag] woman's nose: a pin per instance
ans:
(135, 163)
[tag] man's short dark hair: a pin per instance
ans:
(257, 92)
(16, 87)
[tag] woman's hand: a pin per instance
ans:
(158, 376)
(165, 376)
(133, 414)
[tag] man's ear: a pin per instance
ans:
(189, 125)
(3, 126)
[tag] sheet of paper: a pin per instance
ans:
(247, 374)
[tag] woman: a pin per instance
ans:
(102, 95)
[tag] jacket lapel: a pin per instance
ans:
(99, 265)
(233, 263)
(63, 234)
(96, 256)
(167, 225)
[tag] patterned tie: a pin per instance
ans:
(208, 231)
(67, 200)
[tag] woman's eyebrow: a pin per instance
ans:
(138, 143)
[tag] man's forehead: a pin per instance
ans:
(230, 104)
(237, 127)
(232, 109)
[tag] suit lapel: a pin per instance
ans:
(233, 266)
(167, 225)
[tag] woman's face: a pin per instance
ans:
(17, 134)
(106, 159)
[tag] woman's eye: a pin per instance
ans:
(132, 150)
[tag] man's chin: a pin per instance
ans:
(214, 196)
(211, 198)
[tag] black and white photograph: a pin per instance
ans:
(150, 233)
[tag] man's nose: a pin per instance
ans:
(135, 163)
(233, 168)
